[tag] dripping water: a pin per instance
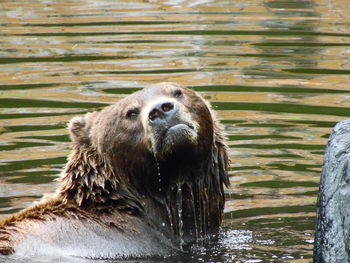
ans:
(177, 226)
(179, 208)
(200, 217)
(170, 218)
(193, 204)
(206, 209)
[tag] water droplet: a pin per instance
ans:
(158, 171)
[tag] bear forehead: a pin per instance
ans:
(143, 97)
(153, 91)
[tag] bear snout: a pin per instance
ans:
(161, 112)
(169, 126)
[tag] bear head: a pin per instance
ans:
(161, 138)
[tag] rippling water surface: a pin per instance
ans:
(277, 72)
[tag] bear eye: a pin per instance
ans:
(132, 113)
(178, 93)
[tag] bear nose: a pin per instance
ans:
(161, 111)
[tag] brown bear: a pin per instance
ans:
(146, 176)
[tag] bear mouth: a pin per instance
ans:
(179, 131)
(175, 139)
(181, 127)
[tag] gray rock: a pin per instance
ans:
(332, 239)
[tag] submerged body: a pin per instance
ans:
(146, 175)
(64, 230)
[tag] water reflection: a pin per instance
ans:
(277, 72)
(288, 51)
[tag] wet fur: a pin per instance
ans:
(109, 182)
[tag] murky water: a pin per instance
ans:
(277, 72)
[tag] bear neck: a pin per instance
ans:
(189, 194)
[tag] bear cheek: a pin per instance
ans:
(201, 115)
(134, 137)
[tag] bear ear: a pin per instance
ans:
(78, 130)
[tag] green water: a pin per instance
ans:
(276, 71)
